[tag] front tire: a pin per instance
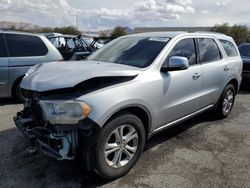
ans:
(119, 145)
(226, 102)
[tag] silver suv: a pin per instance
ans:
(18, 52)
(105, 108)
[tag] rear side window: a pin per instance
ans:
(3, 50)
(185, 48)
(229, 48)
(25, 45)
(208, 50)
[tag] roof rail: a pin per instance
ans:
(212, 32)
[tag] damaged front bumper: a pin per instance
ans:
(57, 141)
(57, 145)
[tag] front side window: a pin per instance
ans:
(20, 45)
(3, 50)
(229, 48)
(185, 48)
(209, 51)
(133, 51)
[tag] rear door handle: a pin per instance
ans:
(226, 68)
(196, 75)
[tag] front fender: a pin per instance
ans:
(135, 93)
(102, 112)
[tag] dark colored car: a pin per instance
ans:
(245, 55)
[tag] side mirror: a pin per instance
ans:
(175, 63)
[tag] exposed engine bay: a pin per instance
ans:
(58, 141)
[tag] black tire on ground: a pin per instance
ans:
(100, 163)
(223, 110)
(17, 92)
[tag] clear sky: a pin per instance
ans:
(97, 14)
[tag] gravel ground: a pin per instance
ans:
(202, 152)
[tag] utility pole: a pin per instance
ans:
(77, 22)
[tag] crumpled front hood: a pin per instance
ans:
(60, 75)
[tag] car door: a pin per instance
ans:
(181, 89)
(214, 70)
(4, 70)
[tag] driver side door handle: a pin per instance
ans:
(226, 68)
(196, 76)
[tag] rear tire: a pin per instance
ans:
(119, 145)
(226, 102)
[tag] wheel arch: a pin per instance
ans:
(138, 110)
(235, 83)
(232, 81)
(13, 87)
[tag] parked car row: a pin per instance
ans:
(74, 47)
(19, 51)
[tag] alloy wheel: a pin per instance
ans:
(228, 101)
(121, 146)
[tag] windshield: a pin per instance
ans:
(133, 51)
(244, 50)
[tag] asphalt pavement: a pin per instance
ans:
(202, 152)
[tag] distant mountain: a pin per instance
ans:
(18, 25)
(9, 25)
(97, 33)
(129, 30)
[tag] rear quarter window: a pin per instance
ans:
(20, 45)
(229, 48)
